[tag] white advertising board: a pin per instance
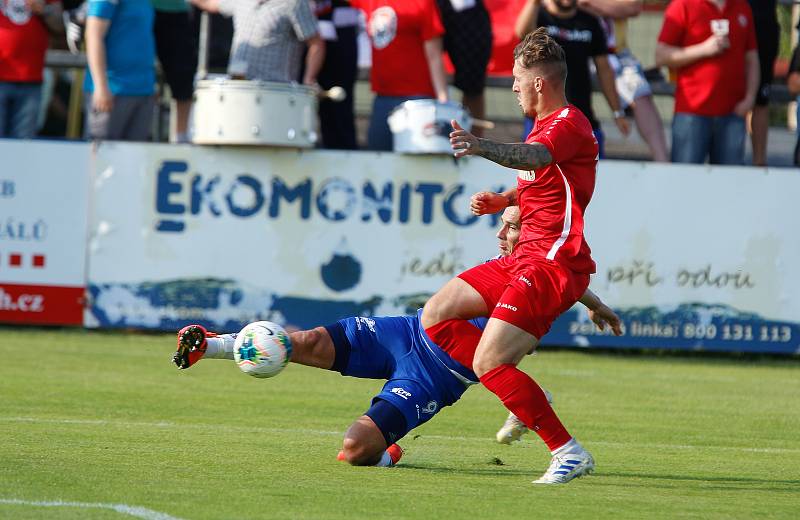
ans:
(222, 235)
(43, 217)
(695, 257)
(691, 257)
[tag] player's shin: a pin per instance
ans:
(522, 396)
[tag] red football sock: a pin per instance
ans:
(459, 338)
(527, 401)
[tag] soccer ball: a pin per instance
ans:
(262, 349)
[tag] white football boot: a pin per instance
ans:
(513, 429)
(567, 466)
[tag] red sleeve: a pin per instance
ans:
(431, 22)
(674, 26)
(560, 140)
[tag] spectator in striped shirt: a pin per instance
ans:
(269, 39)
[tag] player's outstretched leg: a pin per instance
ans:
(312, 347)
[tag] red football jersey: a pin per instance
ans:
(552, 199)
(23, 43)
(711, 86)
(398, 30)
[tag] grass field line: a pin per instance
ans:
(135, 511)
(309, 431)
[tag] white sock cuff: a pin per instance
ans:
(572, 446)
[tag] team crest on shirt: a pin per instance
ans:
(430, 408)
(742, 20)
(16, 11)
(383, 26)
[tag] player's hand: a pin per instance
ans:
(743, 107)
(602, 316)
(462, 142)
(102, 100)
(487, 202)
(714, 45)
(623, 126)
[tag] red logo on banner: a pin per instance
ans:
(41, 304)
(37, 261)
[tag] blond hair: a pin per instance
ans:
(539, 50)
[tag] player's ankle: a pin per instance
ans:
(571, 446)
(220, 347)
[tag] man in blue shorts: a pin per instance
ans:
(421, 377)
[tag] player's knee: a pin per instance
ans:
(359, 453)
(436, 310)
(302, 344)
(481, 366)
(309, 347)
(484, 362)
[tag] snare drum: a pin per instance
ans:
(423, 126)
(254, 113)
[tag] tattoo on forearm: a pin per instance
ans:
(511, 196)
(520, 156)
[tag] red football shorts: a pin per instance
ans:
(529, 294)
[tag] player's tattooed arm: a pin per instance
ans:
(519, 156)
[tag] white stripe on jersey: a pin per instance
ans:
(567, 218)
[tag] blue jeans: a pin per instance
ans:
(19, 109)
(720, 139)
(379, 136)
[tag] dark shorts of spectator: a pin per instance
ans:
(767, 37)
(177, 52)
(130, 119)
(468, 42)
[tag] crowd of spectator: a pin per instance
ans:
(720, 54)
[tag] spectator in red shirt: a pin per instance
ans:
(23, 43)
(407, 48)
(712, 45)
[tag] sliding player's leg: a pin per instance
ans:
(313, 347)
(404, 403)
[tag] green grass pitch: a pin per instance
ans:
(92, 420)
